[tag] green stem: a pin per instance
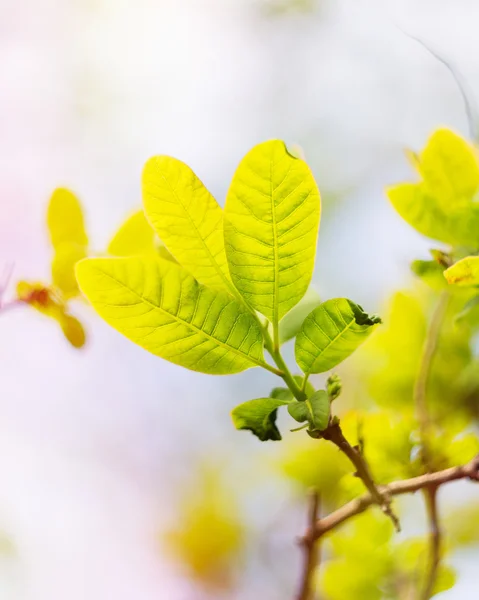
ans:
(285, 373)
(287, 377)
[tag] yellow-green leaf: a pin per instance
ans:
(441, 206)
(159, 306)
(449, 167)
(63, 268)
(259, 417)
(73, 330)
(464, 272)
(291, 323)
(331, 333)
(135, 236)
(188, 220)
(271, 225)
(65, 219)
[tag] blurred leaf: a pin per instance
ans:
(63, 268)
(290, 325)
(160, 307)
(431, 272)
(361, 561)
(271, 227)
(259, 417)
(470, 312)
(449, 168)
(188, 220)
(331, 333)
(310, 464)
(65, 219)
(464, 272)
(462, 525)
(135, 236)
(73, 330)
(442, 205)
(46, 301)
(209, 538)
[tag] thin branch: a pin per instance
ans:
(435, 541)
(420, 387)
(425, 424)
(310, 547)
(397, 488)
(470, 107)
(335, 435)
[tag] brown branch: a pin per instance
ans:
(335, 435)
(407, 486)
(435, 540)
(310, 549)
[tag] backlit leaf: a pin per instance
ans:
(65, 219)
(188, 220)
(330, 333)
(431, 272)
(464, 272)
(135, 236)
(442, 206)
(159, 306)
(449, 167)
(291, 323)
(63, 268)
(259, 417)
(271, 225)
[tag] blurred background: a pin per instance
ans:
(112, 460)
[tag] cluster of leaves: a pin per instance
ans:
(239, 286)
(224, 287)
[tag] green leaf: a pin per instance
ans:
(282, 393)
(259, 416)
(331, 333)
(65, 219)
(442, 205)
(464, 272)
(469, 312)
(188, 220)
(291, 323)
(271, 225)
(159, 306)
(449, 167)
(431, 272)
(299, 411)
(135, 236)
(315, 410)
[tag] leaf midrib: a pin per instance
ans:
(259, 363)
(335, 339)
(215, 265)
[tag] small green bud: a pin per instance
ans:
(333, 386)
